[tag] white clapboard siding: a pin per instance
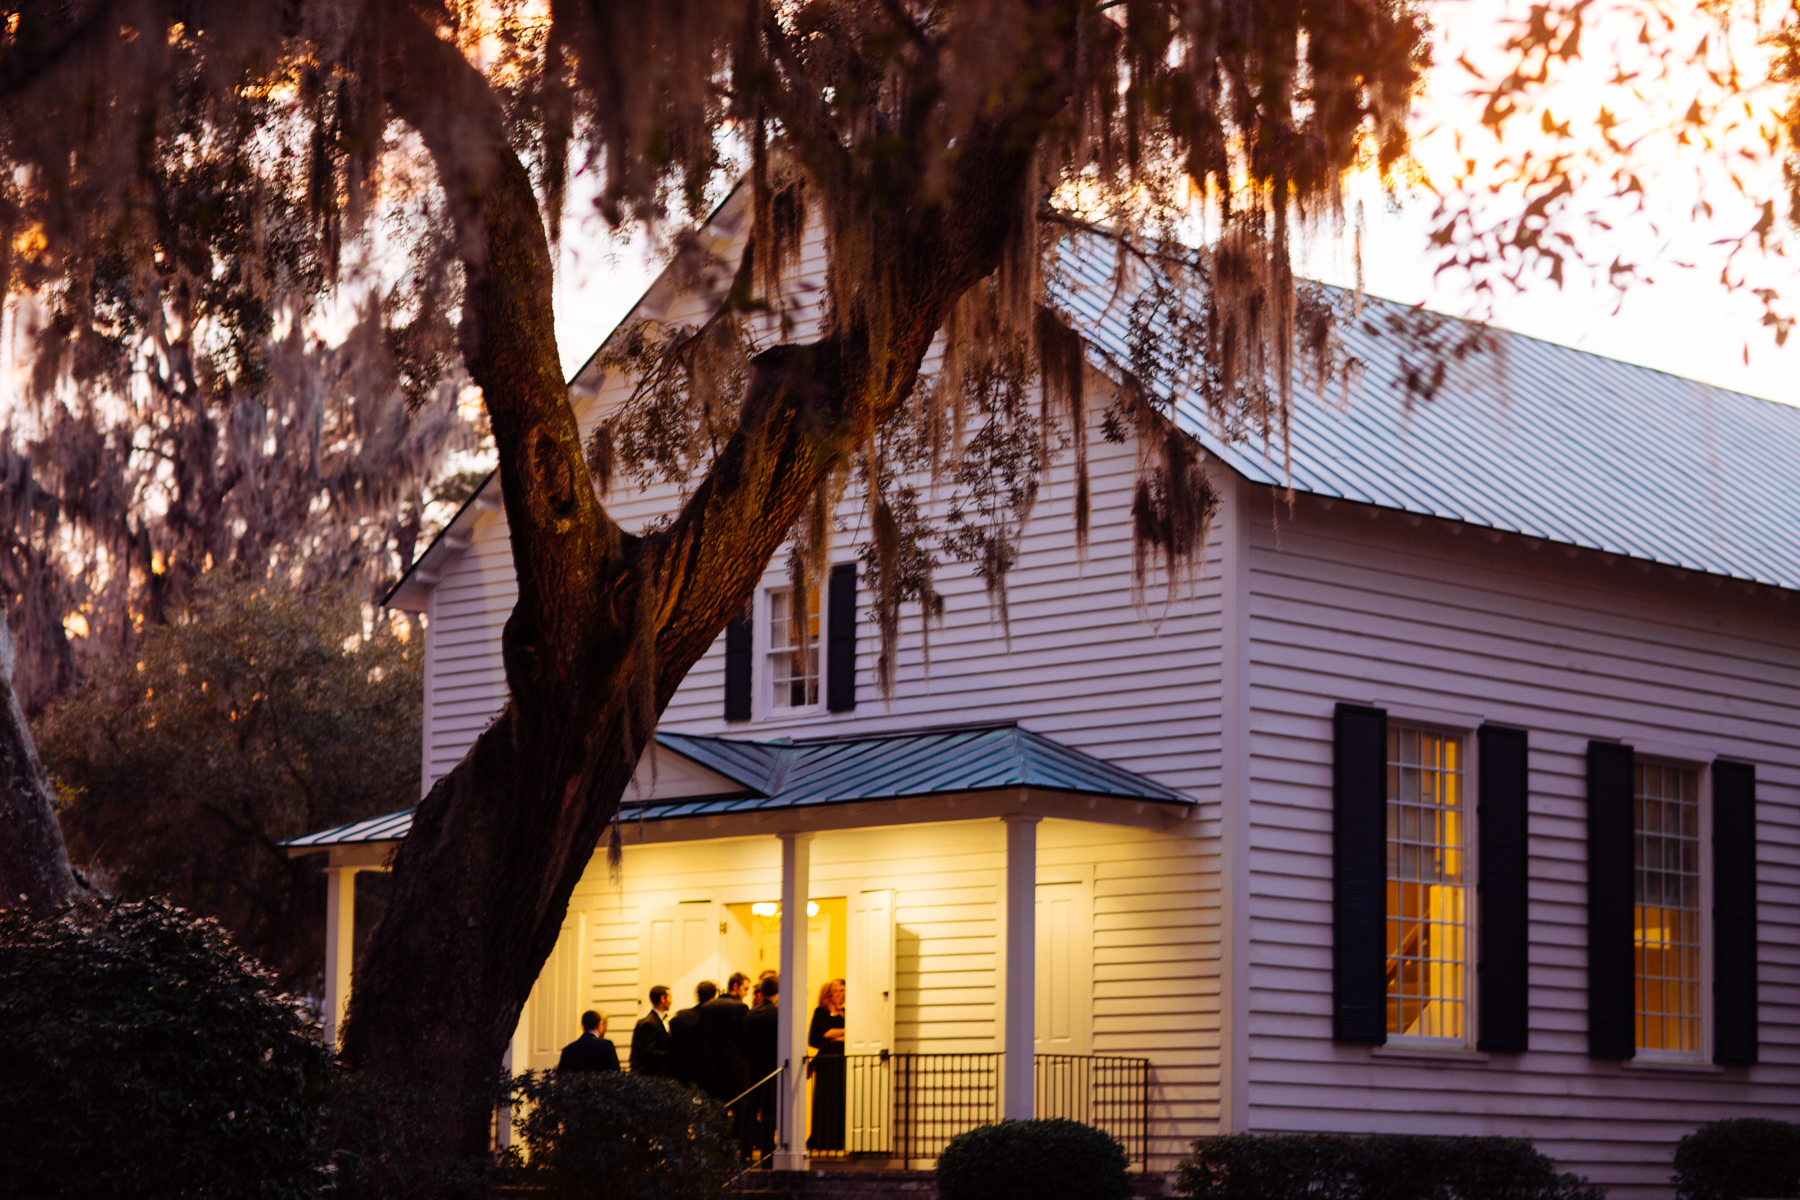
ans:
(1462, 629)
(1154, 938)
(1080, 659)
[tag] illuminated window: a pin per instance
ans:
(1667, 894)
(1427, 895)
(793, 658)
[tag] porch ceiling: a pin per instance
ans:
(955, 769)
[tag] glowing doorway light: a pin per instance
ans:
(771, 908)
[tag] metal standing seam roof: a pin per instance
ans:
(1536, 439)
(777, 776)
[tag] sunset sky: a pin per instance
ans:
(1681, 321)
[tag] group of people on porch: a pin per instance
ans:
(728, 1049)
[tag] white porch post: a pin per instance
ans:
(340, 930)
(1021, 966)
(790, 1045)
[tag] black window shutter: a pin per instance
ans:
(1612, 970)
(840, 640)
(1734, 912)
(1359, 840)
(1504, 960)
(737, 668)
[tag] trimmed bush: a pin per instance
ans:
(145, 1056)
(625, 1137)
(1738, 1159)
(1382, 1167)
(1033, 1160)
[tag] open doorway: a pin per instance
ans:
(753, 939)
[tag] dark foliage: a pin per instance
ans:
(1383, 1167)
(1739, 1158)
(256, 714)
(145, 1056)
(626, 1137)
(1033, 1160)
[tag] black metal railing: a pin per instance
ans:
(907, 1107)
(1111, 1094)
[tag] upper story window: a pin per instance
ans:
(1427, 892)
(1666, 913)
(793, 659)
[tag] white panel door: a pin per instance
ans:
(869, 983)
(1065, 968)
(554, 1007)
(678, 946)
(869, 1019)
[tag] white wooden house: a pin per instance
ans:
(1460, 794)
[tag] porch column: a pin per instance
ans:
(790, 1043)
(1021, 966)
(340, 931)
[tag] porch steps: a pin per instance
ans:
(831, 1184)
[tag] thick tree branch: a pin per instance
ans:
(565, 547)
(807, 406)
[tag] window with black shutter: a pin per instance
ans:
(739, 654)
(1734, 912)
(1611, 951)
(1359, 839)
(840, 638)
(1503, 960)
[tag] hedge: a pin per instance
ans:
(1380, 1167)
(143, 1055)
(1739, 1158)
(625, 1137)
(1033, 1160)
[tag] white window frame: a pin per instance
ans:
(763, 658)
(1703, 794)
(1471, 851)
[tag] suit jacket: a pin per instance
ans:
(650, 1044)
(724, 1072)
(762, 1039)
(588, 1053)
(685, 1057)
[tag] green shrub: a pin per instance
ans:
(1744, 1157)
(145, 1056)
(1384, 1167)
(1033, 1160)
(625, 1137)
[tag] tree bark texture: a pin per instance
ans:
(34, 862)
(606, 624)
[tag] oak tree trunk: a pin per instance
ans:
(34, 862)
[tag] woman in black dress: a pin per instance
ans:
(827, 1040)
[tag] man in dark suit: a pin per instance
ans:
(590, 1051)
(724, 1070)
(762, 1039)
(650, 1039)
(687, 1061)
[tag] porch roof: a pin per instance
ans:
(744, 777)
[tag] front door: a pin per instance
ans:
(553, 1012)
(869, 1020)
(1065, 967)
(678, 946)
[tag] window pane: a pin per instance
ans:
(793, 659)
(1667, 913)
(1426, 893)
